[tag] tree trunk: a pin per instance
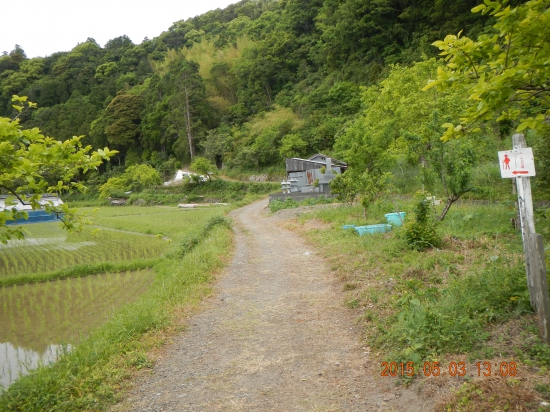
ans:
(450, 201)
(268, 94)
(188, 124)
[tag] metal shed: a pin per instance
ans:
(307, 171)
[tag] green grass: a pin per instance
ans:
(289, 203)
(423, 305)
(217, 190)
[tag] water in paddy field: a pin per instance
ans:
(47, 248)
(17, 361)
(40, 322)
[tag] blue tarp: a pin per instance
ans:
(35, 216)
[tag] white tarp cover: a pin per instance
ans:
(53, 200)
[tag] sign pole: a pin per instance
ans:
(526, 214)
(540, 279)
(519, 164)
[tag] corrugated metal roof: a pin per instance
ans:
(299, 165)
(323, 156)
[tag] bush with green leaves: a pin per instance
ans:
(345, 187)
(277, 205)
(135, 179)
(421, 233)
(204, 167)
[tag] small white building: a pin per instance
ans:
(179, 177)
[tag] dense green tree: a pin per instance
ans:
(78, 67)
(72, 118)
(177, 112)
(203, 167)
(505, 73)
(135, 178)
(292, 145)
(13, 82)
(216, 143)
(401, 124)
(400, 120)
(215, 82)
(123, 121)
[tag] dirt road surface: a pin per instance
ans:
(275, 336)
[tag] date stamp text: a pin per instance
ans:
(452, 369)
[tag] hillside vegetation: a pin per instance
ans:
(259, 81)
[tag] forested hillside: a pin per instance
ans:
(260, 81)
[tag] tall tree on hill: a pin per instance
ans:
(176, 112)
(123, 121)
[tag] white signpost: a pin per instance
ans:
(519, 163)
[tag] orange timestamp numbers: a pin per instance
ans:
(451, 369)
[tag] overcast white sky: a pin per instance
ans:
(43, 27)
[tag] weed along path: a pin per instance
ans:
(274, 336)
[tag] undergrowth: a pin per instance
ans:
(420, 305)
(191, 240)
(428, 321)
(290, 203)
(210, 192)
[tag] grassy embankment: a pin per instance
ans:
(465, 302)
(91, 375)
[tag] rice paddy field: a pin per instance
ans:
(168, 221)
(48, 247)
(119, 234)
(40, 321)
(62, 311)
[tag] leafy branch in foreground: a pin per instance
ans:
(33, 164)
(506, 74)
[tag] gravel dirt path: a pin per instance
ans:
(274, 336)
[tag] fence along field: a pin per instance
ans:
(38, 320)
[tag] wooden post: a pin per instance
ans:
(540, 279)
(525, 203)
(523, 164)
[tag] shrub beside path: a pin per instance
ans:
(274, 336)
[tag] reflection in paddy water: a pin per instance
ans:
(35, 318)
(17, 361)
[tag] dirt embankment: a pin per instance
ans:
(274, 336)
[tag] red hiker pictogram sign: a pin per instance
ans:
(517, 162)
